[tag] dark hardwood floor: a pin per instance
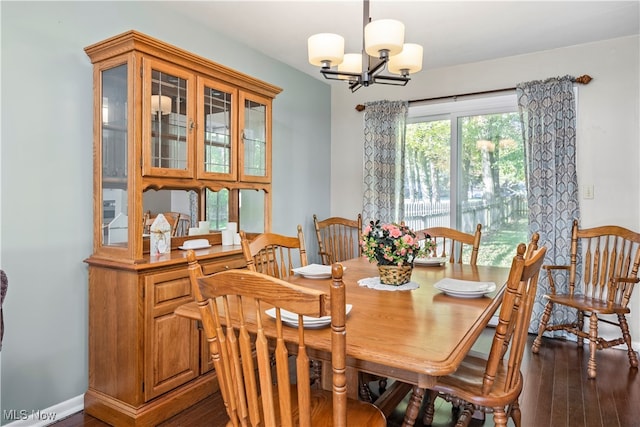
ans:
(556, 393)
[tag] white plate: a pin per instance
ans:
(464, 288)
(467, 294)
(315, 271)
(291, 319)
(460, 286)
(194, 247)
(430, 261)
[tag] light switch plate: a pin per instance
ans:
(587, 191)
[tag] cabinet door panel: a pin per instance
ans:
(217, 131)
(168, 137)
(174, 352)
(255, 138)
(172, 345)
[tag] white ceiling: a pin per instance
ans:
(451, 32)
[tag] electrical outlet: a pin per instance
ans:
(587, 191)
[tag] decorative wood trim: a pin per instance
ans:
(134, 40)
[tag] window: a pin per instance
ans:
(464, 165)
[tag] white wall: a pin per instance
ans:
(46, 173)
(607, 127)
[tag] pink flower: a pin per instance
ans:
(408, 239)
(395, 232)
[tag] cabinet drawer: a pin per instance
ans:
(218, 266)
(166, 291)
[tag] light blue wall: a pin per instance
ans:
(46, 173)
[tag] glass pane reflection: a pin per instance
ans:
(168, 121)
(114, 156)
(217, 131)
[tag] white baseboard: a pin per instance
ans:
(45, 417)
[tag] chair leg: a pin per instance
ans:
(580, 326)
(364, 392)
(515, 413)
(499, 417)
(413, 407)
(382, 385)
(593, 344)
(535, 347)
(430, 408)
(316, 373)
(466, 414)
(624, 326)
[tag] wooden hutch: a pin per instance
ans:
(170, 128)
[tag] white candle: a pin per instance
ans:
(227, 238)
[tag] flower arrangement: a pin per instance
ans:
(393, 244)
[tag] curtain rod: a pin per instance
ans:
(584, 79)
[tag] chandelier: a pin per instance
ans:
(383, 47)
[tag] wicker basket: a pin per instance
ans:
(394, 275)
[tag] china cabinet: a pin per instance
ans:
(168, 126)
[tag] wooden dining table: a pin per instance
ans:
(413, 336)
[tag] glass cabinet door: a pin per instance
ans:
(254, 122)
(113, 154)
(217, 129)
(168, 121)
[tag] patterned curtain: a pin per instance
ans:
(193, 210)
(384, 139)
(548, 114)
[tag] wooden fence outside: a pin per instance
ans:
(490, 213)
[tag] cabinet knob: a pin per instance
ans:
(226, 267)
(191, 124)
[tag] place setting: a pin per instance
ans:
(464, 288)
(430, 261)
(315, 271)
(291, 319)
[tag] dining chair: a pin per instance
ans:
(253, 392)
(274, 254)
(338, 238)
(277, 255)
(457, 246)
(601, 275)
(492, 382)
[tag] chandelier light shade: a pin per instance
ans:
(407, 61)
(383, 48)
(325, 49)
(383, 37)
(352, 63)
